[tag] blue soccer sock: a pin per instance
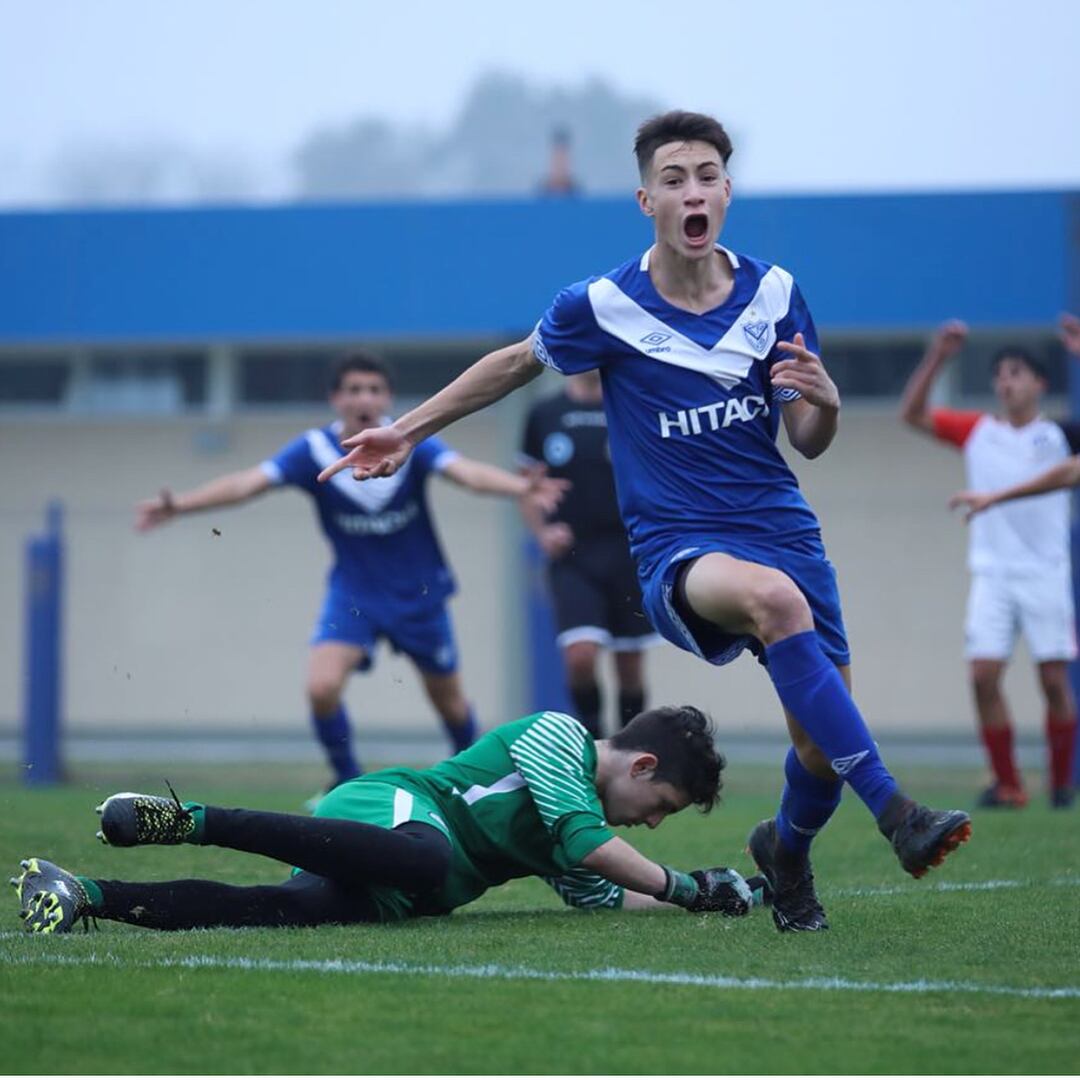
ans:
(806, 805)
(336, 737)
(812, 690)
(462, 736)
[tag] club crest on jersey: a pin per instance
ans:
(558, 448)
(757, 333)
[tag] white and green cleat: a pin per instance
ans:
(51, 900)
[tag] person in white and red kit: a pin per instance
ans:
(1018, 554)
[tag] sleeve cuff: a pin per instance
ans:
(272, 472)
(444, 459)
(581, 833)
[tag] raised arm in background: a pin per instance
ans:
(915, 402)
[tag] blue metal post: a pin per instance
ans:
(547, 680)
(43, 652)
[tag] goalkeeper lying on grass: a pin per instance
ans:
(535, 796)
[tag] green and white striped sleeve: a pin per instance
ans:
(556, 757)
(584, 889)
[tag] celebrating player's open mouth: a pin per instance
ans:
(696, 230)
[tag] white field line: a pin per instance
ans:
(953, 886)
(511, 972)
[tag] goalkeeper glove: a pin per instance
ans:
(717, 889)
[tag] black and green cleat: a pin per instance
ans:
(129, 819)
(51, 900)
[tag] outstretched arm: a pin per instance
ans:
(651, 885)
(484, 479)
(555, 538)
(1063, 475)
(226, 490)
(382, 451)
(915, 402)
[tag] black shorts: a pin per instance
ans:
(597, 597)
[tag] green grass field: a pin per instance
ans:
(974, 970)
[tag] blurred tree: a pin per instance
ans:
(146, 172)
(499, 144)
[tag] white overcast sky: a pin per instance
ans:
(820, 94)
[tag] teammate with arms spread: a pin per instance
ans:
(389, 578)
(1018, 556)
(535, 796)
(701, 351)
(590, 571)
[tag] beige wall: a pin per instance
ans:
(185, 627)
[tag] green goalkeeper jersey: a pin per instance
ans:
(520, 801)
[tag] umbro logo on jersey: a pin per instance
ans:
(843, 765)
(655, 341)
(757, 333)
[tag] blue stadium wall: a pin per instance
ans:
(462, 269)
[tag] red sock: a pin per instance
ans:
(1061, 742)
(999, 745)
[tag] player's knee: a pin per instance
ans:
(986, 682)
(448, 697)
(324, 695)
(430, 857)
(580, 659)
(778, 608)
(1055, 688)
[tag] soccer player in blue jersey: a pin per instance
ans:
(389, 578)
(702, 352)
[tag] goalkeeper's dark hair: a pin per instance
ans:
(682, 738)
(679, 126)
(358, 360)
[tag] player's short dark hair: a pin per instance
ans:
(679, 126)
(358, 360)
(1025, 356)
(681, 737)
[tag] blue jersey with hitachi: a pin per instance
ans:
(386, 554)
(693, 419)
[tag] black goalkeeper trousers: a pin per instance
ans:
(339, 859)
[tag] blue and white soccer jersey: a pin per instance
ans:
(692, 423)
(389, 578)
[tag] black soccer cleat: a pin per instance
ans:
(1002, 797)
(51, 900)
(795, 905)
(922, 837)
(129, 819)
(1062, 798)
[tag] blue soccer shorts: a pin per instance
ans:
(803, 560)
(425, 636)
